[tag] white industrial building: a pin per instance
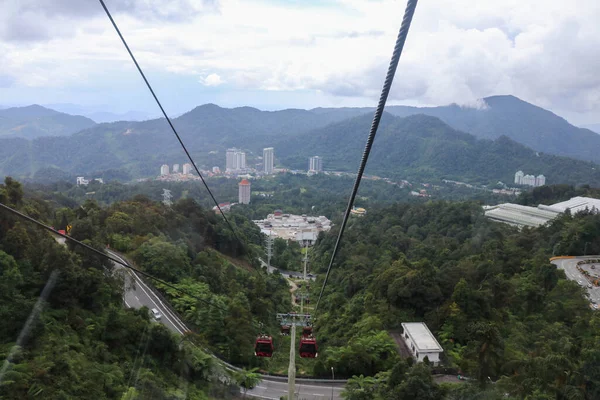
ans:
(516, 214)
(301, 228)
(421, 342)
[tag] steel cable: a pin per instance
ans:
(400, 40)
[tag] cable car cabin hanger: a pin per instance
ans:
(263, 347)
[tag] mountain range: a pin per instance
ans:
(36, 121)
(512, 117)
(483, 144)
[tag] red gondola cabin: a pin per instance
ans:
(308, 347)
(263, 346)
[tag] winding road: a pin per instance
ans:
(138, 294)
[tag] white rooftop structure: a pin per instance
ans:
(421, 341)
(301, 228)
(519, 215)
(577, 204)
(516, 214)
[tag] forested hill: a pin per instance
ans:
(509, 116)
(35, 121)
(487, 291)
(139, 148)
(85, 343)
(418, 146)
(424, 147)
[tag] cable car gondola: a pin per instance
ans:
(308, 347)
(263, 347)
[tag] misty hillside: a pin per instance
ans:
(508, 116)
(36, 121)
(424, 147)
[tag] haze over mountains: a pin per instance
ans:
(408, 145)
(36, 121)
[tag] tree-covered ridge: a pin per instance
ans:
(486, 290)
(84, 343)
(423, 148)
(35, 121)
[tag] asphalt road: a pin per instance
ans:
(569, 265)
(138, 294)
(294, 274)
(274, 390)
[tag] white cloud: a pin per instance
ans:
(212, 80)
(544, 51)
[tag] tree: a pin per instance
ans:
(247, 379)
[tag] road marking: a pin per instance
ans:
(138, 299)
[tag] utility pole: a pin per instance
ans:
(305, 259)
(269, 244)
(292, 366)
(294, 320)
(167, 196)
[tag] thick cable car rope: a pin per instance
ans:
(115, 260)
(168, 119)
(401, 39)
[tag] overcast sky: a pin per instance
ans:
(275, 54)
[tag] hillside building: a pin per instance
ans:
(268, 160)
(235, 160)
(358, 211)
(421, 342)
(529, 180)
(244, 192)
(300, 228)
(187, 168)
(175, 168)
(540, 180)
(519, 177)
(518, 215)
(315, 164)
(164, 170)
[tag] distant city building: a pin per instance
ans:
(99, 180)
(268, 160)
(529, 180)
(216, 170)
(230, 159)
(421, 342)
(235, 160)
(315, 164)
(187, 168)
(175, 168)
(164, 170)
(82, 181)
(540, 180)
(244, 192)
(519, 177)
